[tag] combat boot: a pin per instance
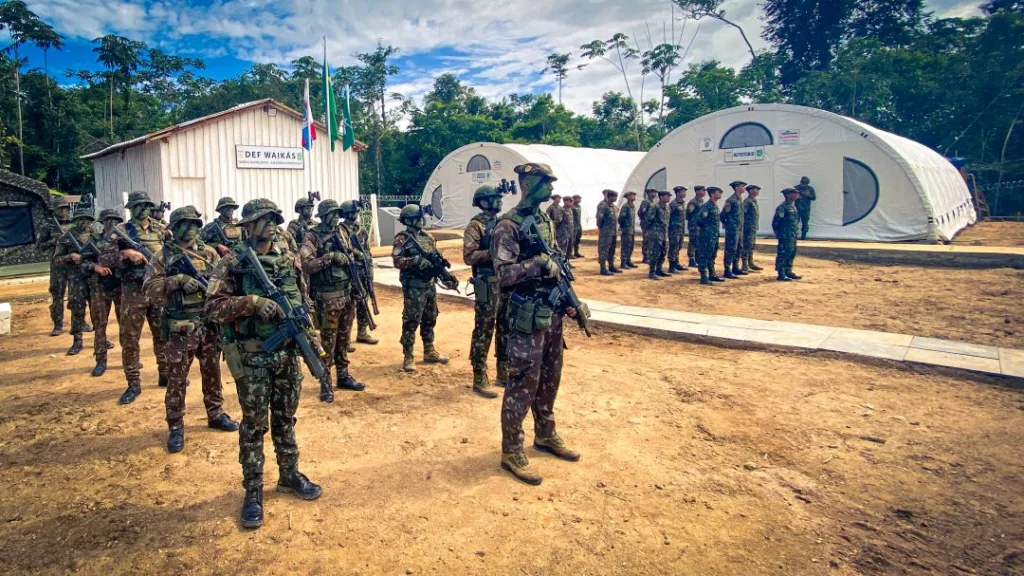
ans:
(108, 345)
(501, 379)
(736, 270)
(162, 381)
(224, 423)
(604, 269)
(327, 387)
(743, 269)
(481, 386)
(783, 278)
(613, 269)
(58, 329)
(555, 445)
(661, 273)
(252, 508)
(176, 440)
(432, 356)
(792, 276)
(519, 466)
(631, 265)
(729, 275)
(704, 278)
(653, 275)
(76, 345)
(408, 364)
(347, 382)
(351, 349)
(101, 367)
(295, 482)
(130, 393)
(363, 337)
(693, 262)
(86, 327)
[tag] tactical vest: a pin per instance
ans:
(152, 239)
(281, 270)
(417, 276)
(485, 269)
(181, 306)
(332, 278)
(535, 287)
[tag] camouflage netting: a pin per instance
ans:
(25, 208)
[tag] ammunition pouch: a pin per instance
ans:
(484, 287)
(233, 358)
(527, 315)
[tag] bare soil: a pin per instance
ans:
(696, 460)
(992, 234)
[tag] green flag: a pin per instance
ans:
(330, 106)
(348, 133)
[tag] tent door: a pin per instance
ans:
(761, 174)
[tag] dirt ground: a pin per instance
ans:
(696, 460)
(992, 234)
(978, 306)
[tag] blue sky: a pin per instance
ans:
(497, 47)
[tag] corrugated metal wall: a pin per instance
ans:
(197, 166)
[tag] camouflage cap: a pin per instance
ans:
(790, 191)
(680, 189)
(736, 183)
(303, 202)
(108, 213)
(256, 209)
(185, 214)
(226, 202)
(84, 211)
(324, 210)
(752, 187)
(535, 169)
(138, 197)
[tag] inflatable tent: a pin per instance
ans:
(870, 184)
(583, 171)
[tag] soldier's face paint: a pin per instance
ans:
(226, 213)
(109, 224)
(334, 219)
(141, 211)
(158, 215)
(83, 223)
(491, 204)
(63, 213)
(306, 212)
(264, 228)
(186, 231)
(538, 189)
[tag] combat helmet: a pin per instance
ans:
(324, 210)
(349, 207)
(485, 192)
(83, 211)
(410, 213)
(185, 214)
(226, 202)
(111, 213)
(303, 202)
(256, 209)
(138, 197)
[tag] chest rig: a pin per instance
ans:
(280, 268)
(152, 239)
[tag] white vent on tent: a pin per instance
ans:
(746, 135)
(478, 163)
(437, 203)
(657, 181)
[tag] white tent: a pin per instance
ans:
(583, 171)
(870, 184)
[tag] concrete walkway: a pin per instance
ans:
(736, 331)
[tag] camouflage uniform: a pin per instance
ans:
(77, 284)
(641, 213)
(577, 224)
(476, 252)
(607, 218)
(418, 290)
(299, 227)
(706, 221)
(47, 239)
(657, 218)
(627, 230)
(185, 329)
(691, 211)
(751, 214)
(786, 225)
(732, 220)
(564, 231)
(803, 207)
(104, 292)
(358, 235)
(232, 231)
(676, 233)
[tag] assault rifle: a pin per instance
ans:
(76, 246)
(367, 272)
(563, 295)
(296, 323)
(335, 244)
(125, 237)
(439, 264)
(183, 265)
(222, 238)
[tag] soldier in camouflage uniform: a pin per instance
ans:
(732, 222)
(627, 230)
(47, 240)
(104, 288)
(607, 218)
(266, 382)
(786, 225)
(676, 228)
(184, 325)
(706, 222)
(566, 229)
(803, 204)
(224, 232)
(657, 219)
(418, 290)
(557, 214)
(649, 201)
(157, 218)
(577, 221)
(304, 223)
(535, 338)
(476, 252)
(326, 254)
(751, 214)
(131, 267)
(67, 257)
(691, 211)
(360, 238)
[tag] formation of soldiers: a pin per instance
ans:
(666, 222)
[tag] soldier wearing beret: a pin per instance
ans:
(557, 214)
(566, 229)
(607, 218)
(657, 219)
(706, 222)
(650, 200)
(751, 214)
(627, 230)
(577, 213)
(676, 228)
(732, 222)
(692, 207)
(786, 225)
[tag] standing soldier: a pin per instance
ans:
(657, 219)
(535, 334)
(417, 275)
(265, 381)
(185, 329)
(691, 211)
(732, 221)
(607, 218)
(577, 214)
(706, 221)
(627, 228)
(648, 202)
(476, 252)
(224, 232)
(556, 213)
(786, 225)
(676, 228)
(751, 214)
(104, 289)
(131, 267)
(360, 238)
(58, 272)
(157, 217)
(803, 204)
(326, 254)
(301, 225)
(566, 229)
(68, 257)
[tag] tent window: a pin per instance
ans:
(435, 203)
(16, 226)
(478, 163)
(746, 135)
(860, 191)
(657, 181)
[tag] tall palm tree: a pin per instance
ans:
(48, 39)
(121, 57)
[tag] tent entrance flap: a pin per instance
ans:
(860, 191)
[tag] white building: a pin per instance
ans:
(871, 185)
(584, 171)
(252, 150)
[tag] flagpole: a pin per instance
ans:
(327, 121)
(309, 153)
